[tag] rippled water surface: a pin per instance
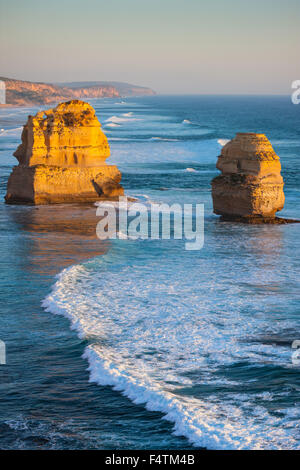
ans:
(182, 348)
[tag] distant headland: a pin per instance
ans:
(26, 93)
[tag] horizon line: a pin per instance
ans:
(200, 93)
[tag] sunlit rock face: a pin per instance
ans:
(62, 159)
(251, 184)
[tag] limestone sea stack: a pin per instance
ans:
(250, 187)
(62, 159)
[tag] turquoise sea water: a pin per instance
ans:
(183, 349)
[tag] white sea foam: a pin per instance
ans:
(116, 204)
(112, 124)
(191, 170)
(121, 139)
(153, 335)
(122, 236)
(168, 330)
(120, 119)
(17, 424)
(15, 132)
(165, 139)
(150, 204)
(223, 142)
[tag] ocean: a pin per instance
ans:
(141, 344)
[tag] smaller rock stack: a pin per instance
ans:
(250, 188)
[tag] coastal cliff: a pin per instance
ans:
(124, 89)
(250, 187)
(62, 159)
(26, 93)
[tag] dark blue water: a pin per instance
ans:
(202, 338)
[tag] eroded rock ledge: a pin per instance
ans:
(62, 159)
(250, 188)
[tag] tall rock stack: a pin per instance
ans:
(62, 159)
(250, 187)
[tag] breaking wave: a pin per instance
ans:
(191, 170)
(223, 142)
(112, 124)
(16, 132)
(119, 119)
(165, 139)
(155, 337)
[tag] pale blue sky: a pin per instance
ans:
(190, 46)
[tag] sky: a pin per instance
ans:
(172, 46)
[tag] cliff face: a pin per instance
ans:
(68, 136)
(62, 159)
(124, 89)
(251, 185)
(95, 92)
(23, 93)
